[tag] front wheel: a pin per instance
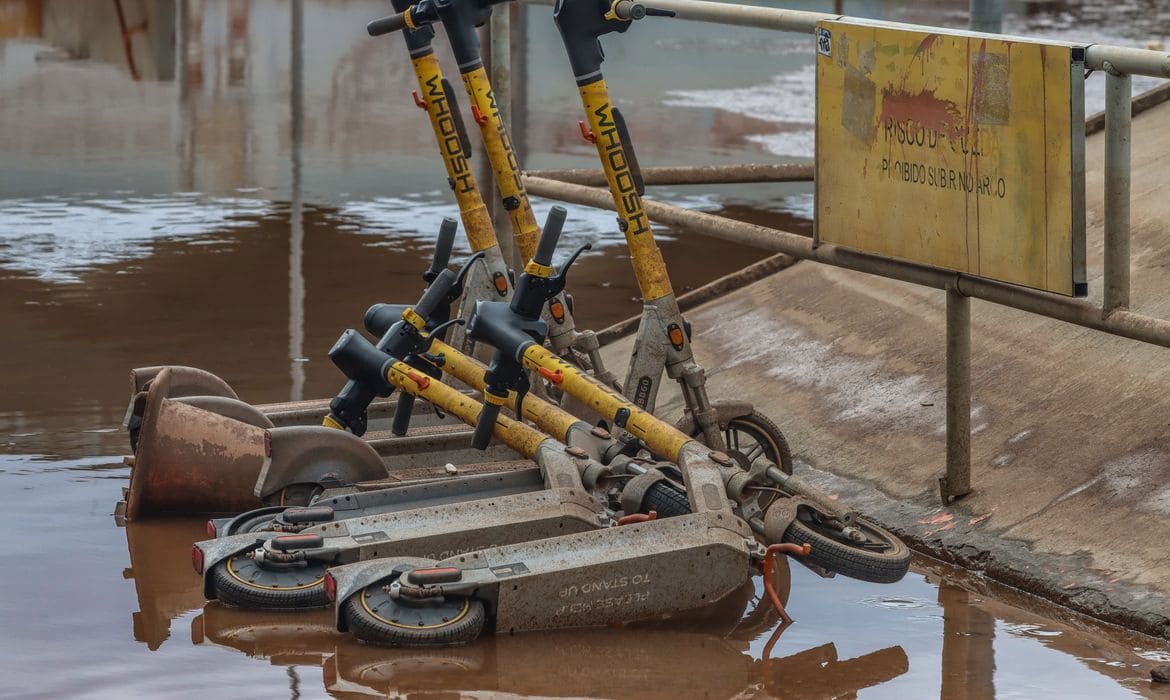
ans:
(375, 617)
(877, 556)
(242, 582)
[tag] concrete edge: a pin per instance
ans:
(956, 536)
(1146, 100)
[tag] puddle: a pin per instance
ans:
(173, 219)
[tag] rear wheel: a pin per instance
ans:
(876, 556)
(375, 617)
(244, 583)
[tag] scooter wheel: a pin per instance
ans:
(241, 582)
(755, 436)
(666, 499)
(294, 495)
(880, 558)
(375, 617)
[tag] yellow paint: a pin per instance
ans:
(950, 150)
(660, 436)
(649, 267)
(503, 159)
(520, 437)
(412, 317)
(537, 270)
(550, 418)
(477, 221)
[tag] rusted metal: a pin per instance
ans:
(183, 381)
(691, 174)
(192, 460)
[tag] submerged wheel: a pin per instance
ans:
(755, 436)
(879, 558)
(375, 617)
(242, 582)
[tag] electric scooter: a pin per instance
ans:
(544, 584)
(663, 340)
(282, 572)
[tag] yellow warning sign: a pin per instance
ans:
(954, 150)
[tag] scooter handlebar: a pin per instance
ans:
(380, 317)
(436, 293)
(551, 235)
(387, 25)
(443, 248)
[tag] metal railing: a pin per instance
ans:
(1113, 316)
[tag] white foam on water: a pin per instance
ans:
(56, 239)
(417, 217)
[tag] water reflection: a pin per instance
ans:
(697, 656)
(990, 638)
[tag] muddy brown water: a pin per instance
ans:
(181, 218)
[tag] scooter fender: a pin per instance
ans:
(185, 381)
(350, 579)
(311, 454)
(725, 411)
(217, 550)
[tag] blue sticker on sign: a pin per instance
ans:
(824, 42)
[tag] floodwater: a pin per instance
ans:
(197, 196)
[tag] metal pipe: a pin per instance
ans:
(737, 15)
(957, 482)
(1118, 123)
(986, 16)
(1120, 322)
(691, 174)
(1125, 60)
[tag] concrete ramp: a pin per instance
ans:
(1071, 427)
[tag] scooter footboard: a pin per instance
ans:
(608, 576)
(434, 532)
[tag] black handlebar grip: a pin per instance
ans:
(444, 245)
(485, 424)
(551, 236)
(402, 414)
(380, 317)
(435, 294)
(386, 25)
